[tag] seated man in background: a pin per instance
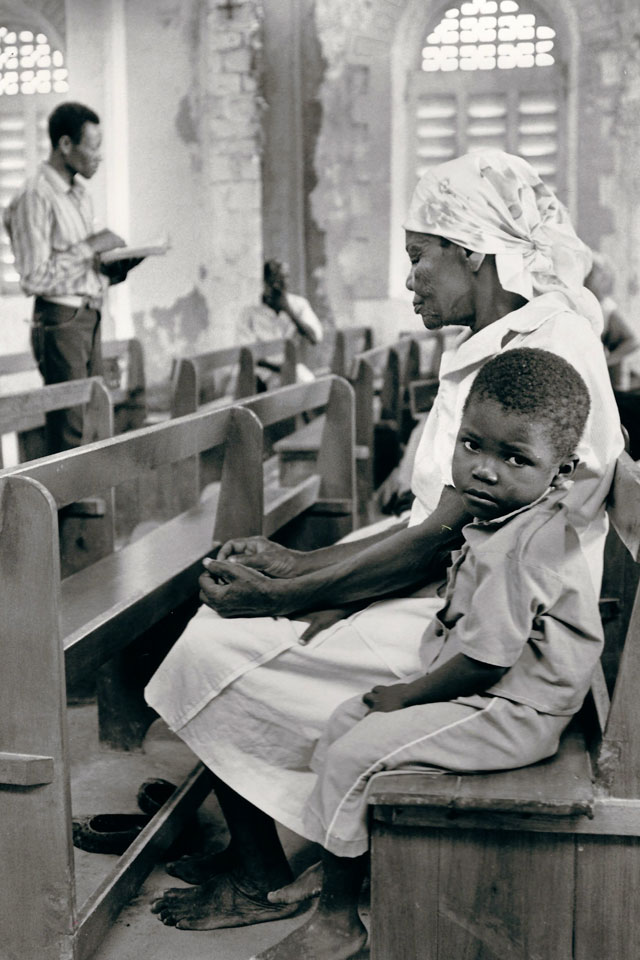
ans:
(620, 341)
(281, 314)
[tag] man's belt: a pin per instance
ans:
(76, 302)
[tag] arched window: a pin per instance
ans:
(33, 80)
(490, 74)
(28, 64)
(486, 34)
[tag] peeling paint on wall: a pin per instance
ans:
(190, 312)
(171, 331)
(185, 124)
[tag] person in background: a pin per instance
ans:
(281, 314)
(57, 255)
(618, 337)
(621, 347)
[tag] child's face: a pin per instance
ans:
(503, 460)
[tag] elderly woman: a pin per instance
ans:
(491, 249)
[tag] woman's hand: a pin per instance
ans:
(235, 591)
(386, 699)
(261, 554)
(319, 620)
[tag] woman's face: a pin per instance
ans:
(441, 281)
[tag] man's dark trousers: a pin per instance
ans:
(66, 344)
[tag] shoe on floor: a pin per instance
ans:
(153, 794)
(107, 832)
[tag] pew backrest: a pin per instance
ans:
(194, 377)
(24, 412)
(124, 369)
(348, 342)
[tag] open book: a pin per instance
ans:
(154, 249)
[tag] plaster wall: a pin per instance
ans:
(194, 173)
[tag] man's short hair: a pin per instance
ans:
(541, 386)
(274, 272)
(70, 118)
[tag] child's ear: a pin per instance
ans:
(565, 472)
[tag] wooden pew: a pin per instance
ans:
(54, 627)
(538, 862)
(380, 377)
(194, 377)
(335, 512)
(123, 376)
(82, 524)
(348, 342)
(395, 367)
(13, 363)
(23, 412)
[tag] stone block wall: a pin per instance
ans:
(211, 203)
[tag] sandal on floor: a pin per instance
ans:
(107, 832)
(153, 794)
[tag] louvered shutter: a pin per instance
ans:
(24, 142)
(520, 111)
(13, 171)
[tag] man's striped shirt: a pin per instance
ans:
(48, 223)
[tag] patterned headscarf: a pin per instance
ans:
(492, 202)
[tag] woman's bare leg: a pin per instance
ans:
(237, 896)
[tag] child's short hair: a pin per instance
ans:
(540, 385)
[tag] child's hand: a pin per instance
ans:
(386, 699)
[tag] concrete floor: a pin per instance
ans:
(104, 781)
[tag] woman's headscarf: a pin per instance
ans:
(492, 202)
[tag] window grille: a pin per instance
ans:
(33, 80)
(488, 35)
(490, 76)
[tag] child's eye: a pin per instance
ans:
(469, 444)
(517, 461)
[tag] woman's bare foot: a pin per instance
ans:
(202, 867)
(304, 887)
(322, 937)
(217, 903)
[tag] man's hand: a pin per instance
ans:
(386, 699)
(276, 299)
(118, 270)
(262, 554)
(235, 591)
(105, 240)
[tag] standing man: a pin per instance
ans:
(57, 254)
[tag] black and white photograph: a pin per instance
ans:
(319, 480)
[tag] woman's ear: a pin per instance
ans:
(475, 260)
(565, 471)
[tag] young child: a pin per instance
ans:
(508, 659)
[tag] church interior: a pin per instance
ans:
(237, 132)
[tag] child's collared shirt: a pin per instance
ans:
(546, 322)
(519, 596)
